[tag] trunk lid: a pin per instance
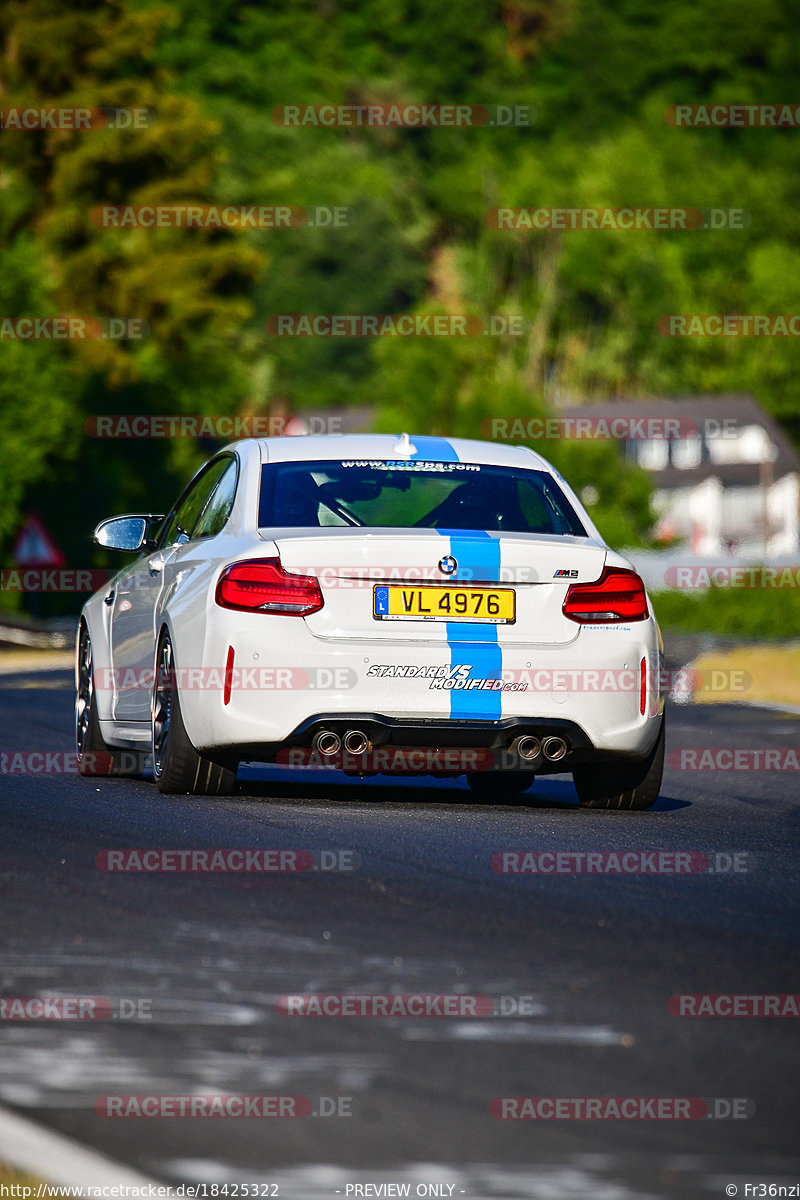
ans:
(350, 563)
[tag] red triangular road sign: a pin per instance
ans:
(34, 546)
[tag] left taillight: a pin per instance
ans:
(262, 585)
(618, 595)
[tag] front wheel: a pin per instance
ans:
(632, 786)
(177, 766)
(94, 755)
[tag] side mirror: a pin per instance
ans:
(127, 533)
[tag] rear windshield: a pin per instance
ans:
(413, 495)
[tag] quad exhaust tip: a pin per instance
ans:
(528, 747)
(326, 743)
(554, 748)
(356, 742)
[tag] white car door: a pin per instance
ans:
(133, 630)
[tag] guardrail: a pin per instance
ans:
(57, 633)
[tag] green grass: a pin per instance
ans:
(767, 614)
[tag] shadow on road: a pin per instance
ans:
(549, 792)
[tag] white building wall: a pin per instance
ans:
(711, 518)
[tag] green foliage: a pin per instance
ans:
(39, 388)
(192, 287)
(597, 76)
(760, 614)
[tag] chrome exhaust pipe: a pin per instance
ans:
(326, 743)
(554, 748)
(527, 747)
(356, 742)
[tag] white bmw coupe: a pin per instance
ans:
(373, 603)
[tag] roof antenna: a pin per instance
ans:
(404, 447)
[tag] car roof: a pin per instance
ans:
(396, 446)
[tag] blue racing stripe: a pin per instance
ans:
(473, 644)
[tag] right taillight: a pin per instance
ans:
(262, 585)
(618, 595)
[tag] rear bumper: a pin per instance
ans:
(408, 745)
(405, 745)
(348, 681)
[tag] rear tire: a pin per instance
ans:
(631, 786)
(178, 768)
(95, 756)
(500, 785)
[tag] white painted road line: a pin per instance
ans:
(58, 1159)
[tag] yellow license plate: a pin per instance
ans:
(395, 602)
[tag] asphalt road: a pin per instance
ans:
(596, 957)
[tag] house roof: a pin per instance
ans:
(742, 409)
